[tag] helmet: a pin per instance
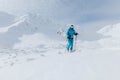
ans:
(72, 26)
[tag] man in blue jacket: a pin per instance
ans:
(70, 36)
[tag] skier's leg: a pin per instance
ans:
(71, 43)
(68, 46)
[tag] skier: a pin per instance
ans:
(70, 36)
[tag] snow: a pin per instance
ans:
(111, 30)
(6, 19)
(32, 53)
(27, 24)
(29, 41)
(112, 39)
(5, 29)
(56, 64)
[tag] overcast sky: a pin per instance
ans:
(81, 12)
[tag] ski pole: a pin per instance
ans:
(75, 42)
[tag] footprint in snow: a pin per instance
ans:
(60, 52)
(42, 55)
(30, 59)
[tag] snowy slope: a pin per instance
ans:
(93, 60)
(111, 30)
(112, 37)
(28, 24)
(6, 19)
(36, 55)
(54, 63)
(30, 41)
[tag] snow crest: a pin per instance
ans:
(28, 24)
(112, 37)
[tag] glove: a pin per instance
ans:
(68, 37)
(76, 34)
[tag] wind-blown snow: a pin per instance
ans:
(29, 41)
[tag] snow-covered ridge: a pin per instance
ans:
(111, 30)
(112, 37)
(6, 19)
(29, 20)
(16, 23)
(28, 24)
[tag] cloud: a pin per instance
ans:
(67, 11)
(23, 6)
(93, 10)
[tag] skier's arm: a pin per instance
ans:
(75, 33)
(67, 33)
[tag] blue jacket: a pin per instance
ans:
(70, 33)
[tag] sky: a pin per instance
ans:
(80, 12)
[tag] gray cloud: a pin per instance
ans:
(67, 11)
